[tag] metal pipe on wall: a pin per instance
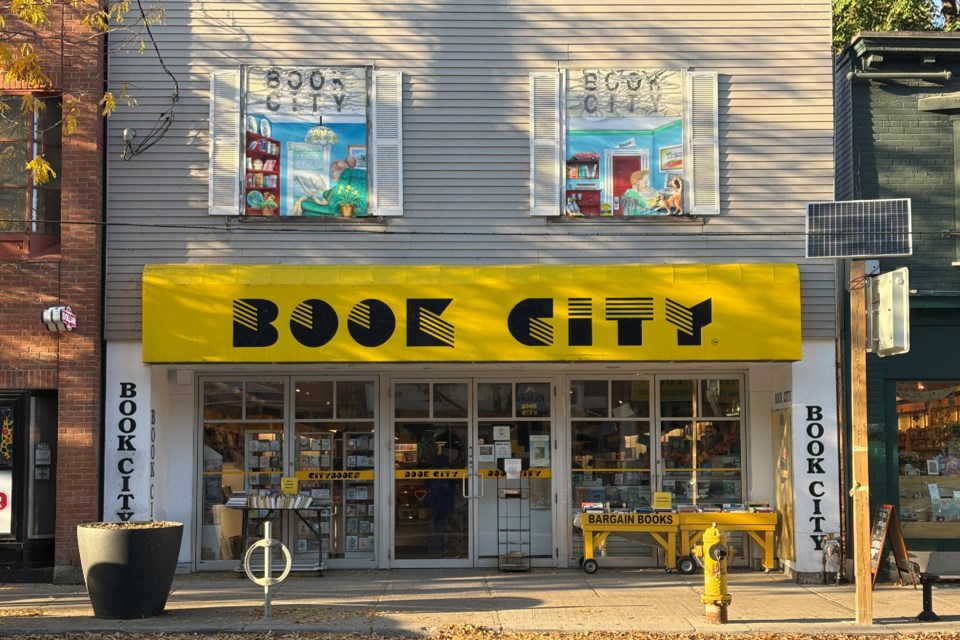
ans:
(933, 76)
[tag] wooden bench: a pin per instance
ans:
(927, 579)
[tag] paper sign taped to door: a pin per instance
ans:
(288, 484)
(662, 500)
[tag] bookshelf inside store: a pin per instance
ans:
(264, 467)
(315, 453)
(357, 534)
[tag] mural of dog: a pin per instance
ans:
(672, 204)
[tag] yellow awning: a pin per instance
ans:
(523, 313)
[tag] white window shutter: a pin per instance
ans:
(545, 144)
(702, 152)
(387, 195)
(224, 198)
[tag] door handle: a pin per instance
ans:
(480, 475)
(463, 485)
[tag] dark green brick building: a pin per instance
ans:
(898, 136)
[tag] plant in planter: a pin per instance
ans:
(128, 567)
(348, 198)
(270, 205)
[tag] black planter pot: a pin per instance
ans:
(129, 569)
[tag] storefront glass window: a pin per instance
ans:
(611, 453)
(343, 525)
(314, 400)
(928, 433)
(592, 398)
(247, 446)
(533, 400)
(450, 401)
(493, 399)
(721, 398)
(618, 427)
(264, 400)
(431, 515)
(243, 449)
(7, 416)
(8, 422)
(238, 458)
(526, 435)
(223, 400)
(678, 398)
(701, 457)
(412, 400)
(355, 399)
(630, 397)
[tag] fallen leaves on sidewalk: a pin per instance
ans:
(467, 632)
(27, 612)
(309, 615)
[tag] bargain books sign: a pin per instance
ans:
(535, 313)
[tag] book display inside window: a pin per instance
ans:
(264, 467)
(625, 457)
(411, 513)
(315, 451)
(356, 537)
(705, 470)
(264, 461)
(928, 452)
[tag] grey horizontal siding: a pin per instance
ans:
(466, 126)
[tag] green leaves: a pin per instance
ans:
(853, 16)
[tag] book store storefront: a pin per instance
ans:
(453, 417)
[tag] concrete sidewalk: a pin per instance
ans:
(404, 602)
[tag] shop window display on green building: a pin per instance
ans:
(928, 448)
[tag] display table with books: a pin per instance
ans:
(597, 527)
(254, 515)
(759, 526)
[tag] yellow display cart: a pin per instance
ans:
(759, 526)
(662, 527)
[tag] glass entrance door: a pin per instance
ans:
(456, 444)
(431, 480)
(515, 514)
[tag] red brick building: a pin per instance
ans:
(51, 241)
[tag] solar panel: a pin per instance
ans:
(859, 229)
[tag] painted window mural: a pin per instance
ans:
(624, 143)
(305, 141)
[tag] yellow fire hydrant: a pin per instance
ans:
(713, 552)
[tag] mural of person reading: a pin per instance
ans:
(640, 198)
(349, 188)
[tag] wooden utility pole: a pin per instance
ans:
(858, 443)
